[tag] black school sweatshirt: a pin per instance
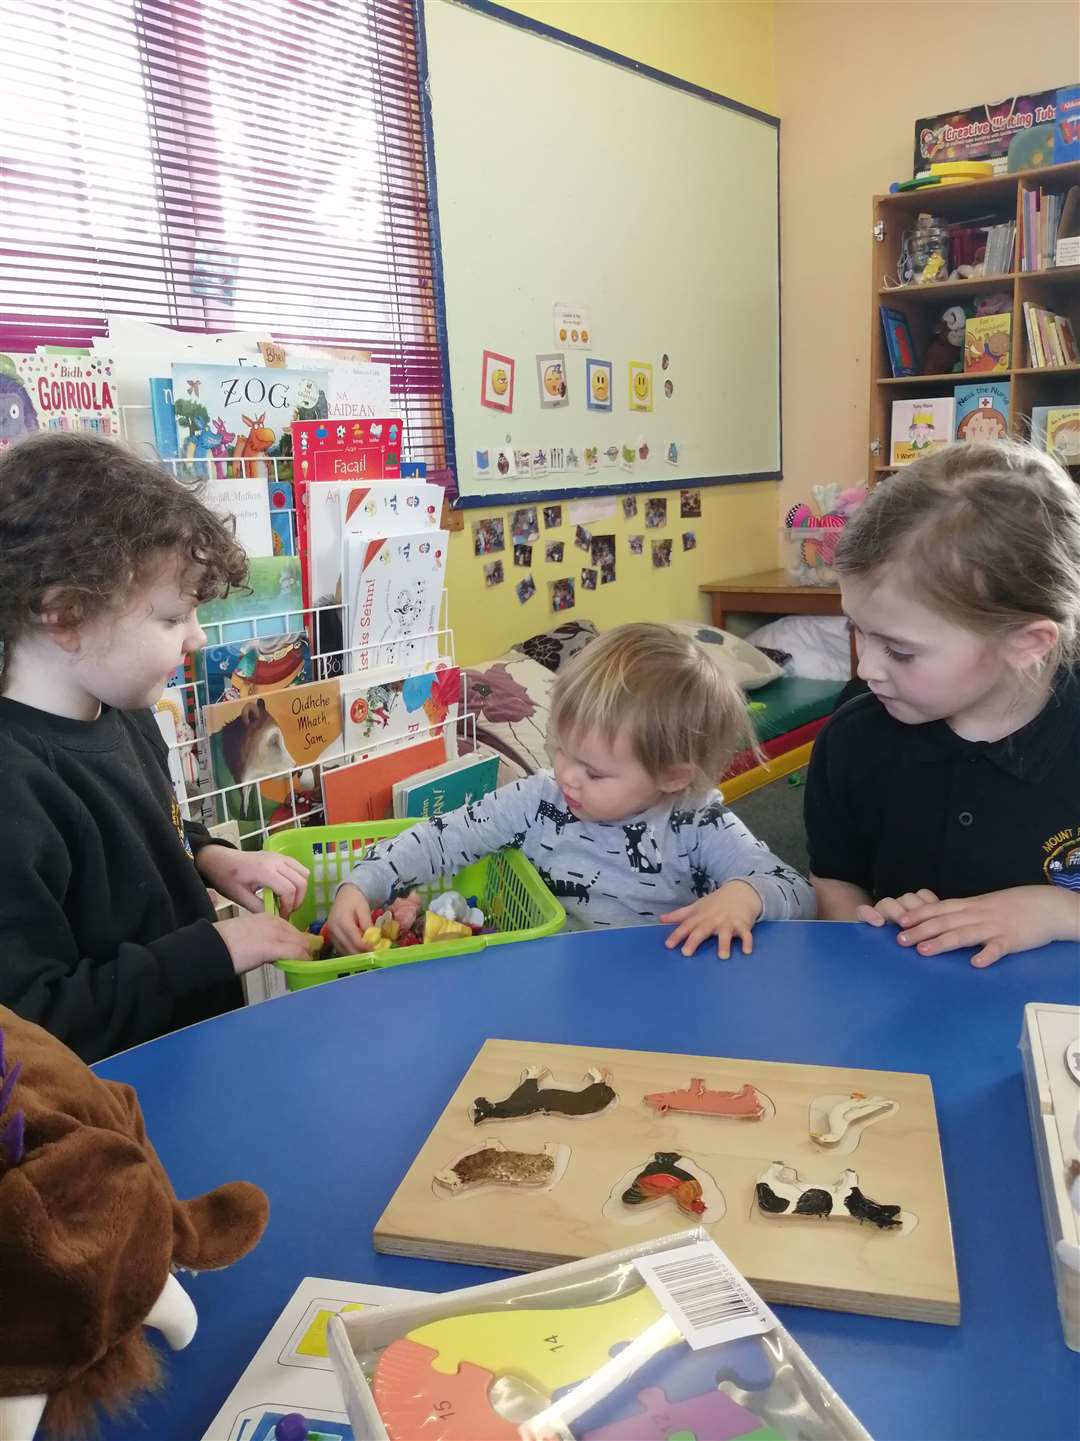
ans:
(106, 934)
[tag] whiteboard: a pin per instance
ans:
(560, 173)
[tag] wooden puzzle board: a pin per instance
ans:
(834, 1263)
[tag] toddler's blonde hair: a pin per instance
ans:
(655, 686)
(988, 534)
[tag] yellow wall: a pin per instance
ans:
(727, 47)
(852, 78)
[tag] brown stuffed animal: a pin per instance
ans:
(90, 1231)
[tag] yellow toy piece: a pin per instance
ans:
(375, 940)
(438, 928)
(547, 1349)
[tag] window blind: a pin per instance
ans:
(217, 165)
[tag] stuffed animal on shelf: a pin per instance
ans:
(90, 1234)
(810, 561)
(945, 348)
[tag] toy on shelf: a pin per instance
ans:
(813, 532)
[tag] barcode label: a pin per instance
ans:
(704, 1295)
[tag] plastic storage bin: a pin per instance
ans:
(809, 551)
(506, 885)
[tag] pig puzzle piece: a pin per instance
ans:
(547, 1349)
(711, 1417)
(415, 1399)
(681, 1373)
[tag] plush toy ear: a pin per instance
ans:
(217, 1229)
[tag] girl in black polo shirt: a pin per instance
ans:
(947, 800)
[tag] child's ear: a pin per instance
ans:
(59, 620)
(676, 778)
(1028, 647)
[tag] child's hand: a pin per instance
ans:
(728, 912)
(1000, 922)
(254, 940)
(892, 908)
(349, 918)
(239, 875)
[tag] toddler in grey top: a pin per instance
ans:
(627, 829)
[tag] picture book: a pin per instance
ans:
(919, 427)
(62, 390)
(245, 500)
(898, 342)
(283, 517)
(238, 669)
(291, 1372)
(987, 343)
(393, 590)
(1063, 431)
(385, 508)
(269, 604)
(352, 449)
(982, 410)
(242, 413)
(435, 793)
(364, 790)
(268, 744)
(400, 708)
(164, 417)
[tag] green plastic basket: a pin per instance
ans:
(506, 886)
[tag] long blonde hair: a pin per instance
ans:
(988, 533)
(655, 686)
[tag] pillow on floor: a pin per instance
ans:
(818, 644)
(743, 661)
(509, 700)
(553, 648)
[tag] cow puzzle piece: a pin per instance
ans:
(779, 1192)
(416, 1399)
(713, 1416)
(697, 1099)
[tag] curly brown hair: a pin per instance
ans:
(84, 521)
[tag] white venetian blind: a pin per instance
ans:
(219, 165)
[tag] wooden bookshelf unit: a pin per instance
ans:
(998, 198)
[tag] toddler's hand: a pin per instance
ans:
(349, 918)
(728, 912)
(1000, 922)
(254, 940)
(239, 875)
(892, 908)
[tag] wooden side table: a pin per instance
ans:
(773, 592)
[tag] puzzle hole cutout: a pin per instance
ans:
(616, 1209)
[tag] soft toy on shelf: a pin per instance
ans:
(945, 348)
(90, 1234)
(810, 559)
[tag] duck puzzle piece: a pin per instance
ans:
(853, 1110)
(415, 1399)
(495, 1165)
(530, 1099)
(662, 1177)
(713, 1416)
(547, 1349)
(745, 1104)
(780, 1193)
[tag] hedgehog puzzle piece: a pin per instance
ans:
(495, 1165)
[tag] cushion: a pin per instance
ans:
(744, 662)
(819, 645)
(510, 702)
(553, 648)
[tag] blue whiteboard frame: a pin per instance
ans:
(495, 501)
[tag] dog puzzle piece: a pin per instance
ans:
(745, 1104)
(713, 1416)
(532, 1099)
(681, 1373)
(495, 1165)
(417, 1401)
(547, 1349)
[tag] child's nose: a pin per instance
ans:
(196, 639)
(870, 667)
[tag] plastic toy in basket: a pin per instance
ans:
(658, 1340)
(812, 535)
(512, 899)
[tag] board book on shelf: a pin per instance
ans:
(268, 604)
(920, 427)
(253, 405)
(987, 344)
(234, 670)
(1051, 339)
(398, 708)
(1056, 428)
(58, 390)
(982, 410)
(899, 342)
(393, 590)
(291, 1371)
(446, 788)
(364, 790)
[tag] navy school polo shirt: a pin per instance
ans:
(894, 808)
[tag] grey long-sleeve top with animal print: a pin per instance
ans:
(616, 873)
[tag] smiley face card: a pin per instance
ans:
(497, 381)
(598, 384)
(640, 385)
(551, 381)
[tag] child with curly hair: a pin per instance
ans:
(107, 932)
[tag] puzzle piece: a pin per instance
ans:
(681, 1373)
(547, 1349)
(713, 1416)
(416, 1399)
